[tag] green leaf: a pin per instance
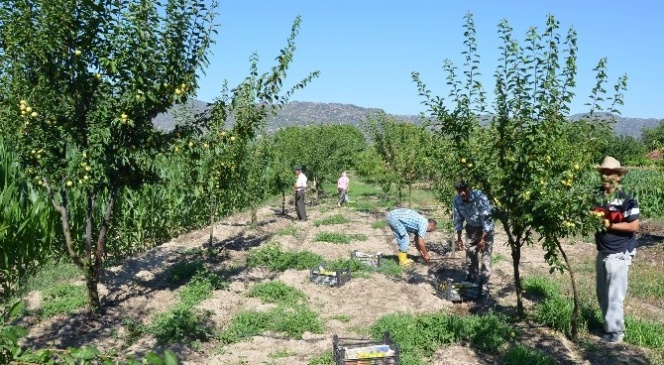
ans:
(171, 358)
(85, 353)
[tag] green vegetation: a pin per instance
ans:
(333, 219)
(62, 299)
(182, 271)
(379, 224)
(276, 292)
(523, 355)
(292, 321)
(275, 259)
(419, 336)
(290, 230)
(339, 238)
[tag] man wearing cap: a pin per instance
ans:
(300, 187)
(474, 208)
(403, 221)
(616, 247)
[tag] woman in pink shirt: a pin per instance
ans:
(342, 186)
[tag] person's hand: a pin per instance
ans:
(426, 256)
(607, 223)
(481, 245)
(460, 245)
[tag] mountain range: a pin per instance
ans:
(308, 113)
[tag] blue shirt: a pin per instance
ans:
(476, 211)
(409, 219)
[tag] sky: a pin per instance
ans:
(366, 50)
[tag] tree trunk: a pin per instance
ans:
(254, 214)
(516, 259)
(577, 306)
(283, 202)
(213, 209)
(409, 194)
(399, 189)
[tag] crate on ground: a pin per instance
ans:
(365, 352)
(321, 275)
(366, 258)
(457, 292)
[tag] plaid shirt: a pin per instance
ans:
(476, 211)
(412, 221)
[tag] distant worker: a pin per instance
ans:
(616, 247)
(473, 207)
(300, 188)
(403, 221)
(342, 185)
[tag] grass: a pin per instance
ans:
(366, 207)
(378, 224)
(323, 359)
(339, 238)
(200, 287)
(275, 259)
(290, 230)
(181, 272)
(62, 299)
(276, 292)
(333, 219)
(520, 354)
(555, 310)
(419, 336)
(497, 257)
(281, 353)
(293, 321)
(342, 318)
(53, 272)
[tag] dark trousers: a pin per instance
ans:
(300, 206)
(342, 196)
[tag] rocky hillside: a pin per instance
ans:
(307, 113)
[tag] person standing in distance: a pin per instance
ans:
(342, 186)
(473, 208)
(300, 188)
(616, 247)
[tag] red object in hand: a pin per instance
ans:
(612, 216)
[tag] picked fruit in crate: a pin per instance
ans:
(373, 260)
(322, 275)
(364, 352)
(457, 292)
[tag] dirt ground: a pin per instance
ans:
(138, 290)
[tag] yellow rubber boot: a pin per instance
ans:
(404, 261)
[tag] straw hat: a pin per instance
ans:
(611, 164)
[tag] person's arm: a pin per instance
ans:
(422, 247)
(632, 226)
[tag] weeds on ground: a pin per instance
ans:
(420, 336)
(520, 354)
(324, 359)
(378, 224)
(292, 321)
(182, 271)
(62, 299)
(342, 318)
(275, 259)
(365, 207)
(339, 238)
(53, 272)
(281, 353)
(276, 292)
(333, 219)
(555, 311)
(200, 287)
(290, 230)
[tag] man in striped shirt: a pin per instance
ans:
(403, 221)
(616, 246)
(473, 207)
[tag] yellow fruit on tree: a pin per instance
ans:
(34, 114)
(86, 177)
(22, 107)
(69, 183)
(233, 139)
(23, 102)
(178, 91)
(463, 160)
(577, 167)
(28, 109)
(470, 165)
(77, 52)
(124, 116)
(88, 168)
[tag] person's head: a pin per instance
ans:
(432, 225)
(461, 188)
(611, 173)
(297, 169)
(344, 174)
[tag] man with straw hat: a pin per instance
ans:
(616, 246)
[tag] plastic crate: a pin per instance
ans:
(323, 276)
(367, 259)
(365, 352)
(457, 292)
